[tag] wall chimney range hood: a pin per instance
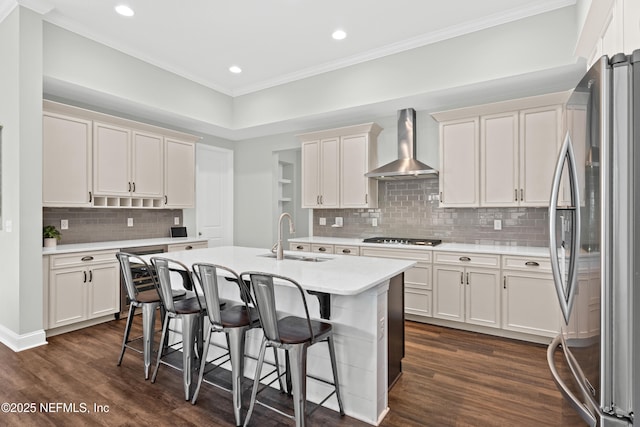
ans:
(407, 166)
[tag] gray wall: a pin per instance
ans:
(407, 208)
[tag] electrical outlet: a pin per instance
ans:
(323, 221)
(339, 221)
(497, 224)
(64, 224)
(129, 222)
(176, 220)
(374, 222)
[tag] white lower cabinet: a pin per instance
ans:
(464, 290)
(529, 299)
(83, 286)
(186, 246)
(417, 280)
(325, 249)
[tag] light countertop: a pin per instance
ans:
(118, 244)
(533, 251)
(338, 275)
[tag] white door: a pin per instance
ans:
(214, 194)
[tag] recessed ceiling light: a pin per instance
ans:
(124, 10)
(235, 69)
(339, 35)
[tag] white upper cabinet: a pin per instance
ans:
(610, 27)
(459, 151)
(147, 165)
(499, 161)
(540, 137)
(66, 169)
(111, 160)
(180, 174)
(333, 166)
(320, 165)
(93, 159)
(357, 157)
(500, 155)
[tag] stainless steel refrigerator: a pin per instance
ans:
(595, 245)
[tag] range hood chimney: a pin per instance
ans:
(406, 166)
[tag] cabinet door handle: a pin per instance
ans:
(516, 190)
(521, 195)
(90, 197)
(504, 282)
(129, 187)
(165, 199)
(464, 258)
(322, 249)
(321, 201)
(366, 198)
(346, 251)
(90, 275)
(441, 198)
(188, 248)
(86, 258)
(317, 200)
(532, 264)
(134, 187)
(467, 278)
(85, 277)
(461, 278)
(299, 247)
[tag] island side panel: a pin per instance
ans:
(360, 335)
(396, 328)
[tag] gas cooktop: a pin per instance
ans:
(402, 241)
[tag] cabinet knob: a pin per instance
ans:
(188, 248)
(464, 258)
(322, 249)
(346, 251)
(299, 247)
(532, 264)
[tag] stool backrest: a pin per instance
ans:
(164, 267)
(207, 275)
(263, 289)
(125, 260)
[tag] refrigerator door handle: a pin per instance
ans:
(580, 407)
(565, 296)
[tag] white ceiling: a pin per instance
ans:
(275, 41)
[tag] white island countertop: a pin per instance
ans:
(532, 251)
(337, 275)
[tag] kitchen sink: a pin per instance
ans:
(298, 257)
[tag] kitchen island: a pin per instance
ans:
(358, 290)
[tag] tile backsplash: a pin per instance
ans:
(99, 225)
(409, 208)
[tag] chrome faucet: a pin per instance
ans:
(278, 246)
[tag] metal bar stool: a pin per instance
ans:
(191, 313)
(148, 300)
(293, 334)
(233, 321)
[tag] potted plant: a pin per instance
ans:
(51, 236)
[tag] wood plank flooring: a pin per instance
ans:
(451, 378)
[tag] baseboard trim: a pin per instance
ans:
(20, 342)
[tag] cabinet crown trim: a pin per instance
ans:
(511, 105)
(370, 128)
(59, 108)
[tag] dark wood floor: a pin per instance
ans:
(451, 378)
